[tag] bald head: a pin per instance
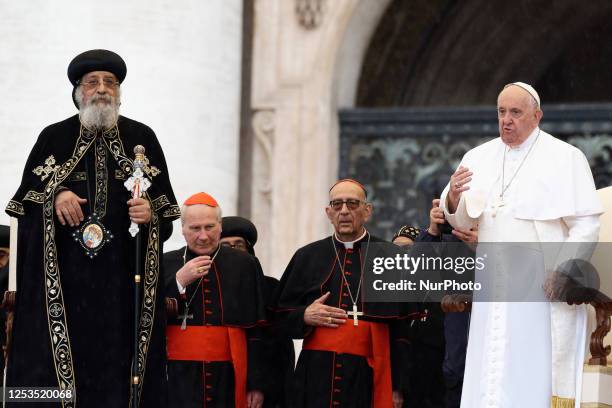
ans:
(518, 114)
(348, 210)
(348, 186)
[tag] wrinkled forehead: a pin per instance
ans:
(514, 96)
(345, 190)
(201, 214)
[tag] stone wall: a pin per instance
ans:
(183, 80)
(306, 62)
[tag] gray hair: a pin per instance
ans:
(184, 208)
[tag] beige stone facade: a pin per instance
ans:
(307, 56)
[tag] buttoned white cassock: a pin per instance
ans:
(522, 354)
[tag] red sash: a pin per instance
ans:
(369, 340)
(212, 343)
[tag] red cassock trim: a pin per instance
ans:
(369, 340)
(212, 343)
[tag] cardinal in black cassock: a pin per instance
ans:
(74, 312)
(220, 303)
(342, 364)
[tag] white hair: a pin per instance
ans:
(184, 209)
(95, 116)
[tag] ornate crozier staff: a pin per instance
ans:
(137, 184)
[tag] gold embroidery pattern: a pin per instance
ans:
(35, 196)
(15, 207)
(101, 177)
(558, 402)
(150, 170)
(113, 142)
(173, 212)
(49, 168)
(56, 313)
(119, 175)
(147, 314)
(111, 138)
(159, 202)
(77, 176)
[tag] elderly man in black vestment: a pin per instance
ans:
(343, 362)
(220, 303)
(74, 311)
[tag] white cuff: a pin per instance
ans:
(180, 287)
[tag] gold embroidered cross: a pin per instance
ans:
(150, 170)
(49, 168)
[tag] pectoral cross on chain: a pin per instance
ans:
(497, 205)
(185, 316)
(355, 314)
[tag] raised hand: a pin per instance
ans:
(193, 270)
(458, 184)
(436, 217)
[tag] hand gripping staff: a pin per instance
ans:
(137, 184)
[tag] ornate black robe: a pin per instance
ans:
(74, 319)
(325, 378)
(231, 294)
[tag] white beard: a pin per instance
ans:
(97, 116)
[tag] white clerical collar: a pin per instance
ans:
(527, 143)
(349, 245)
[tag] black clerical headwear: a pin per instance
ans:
(239, 227)
(95, 60)
(408, 232)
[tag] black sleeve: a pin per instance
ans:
(30, 181)
(165, 230)
(170, 267)
(425, 236)
(290, 302)
(256, 365)
(402, 355)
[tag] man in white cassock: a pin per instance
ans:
(525, 186)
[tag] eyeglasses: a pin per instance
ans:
(95, 83)
(237, 245)
(351, 204)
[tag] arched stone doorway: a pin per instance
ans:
(302, 76)
(457, 53)
(430, 78)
